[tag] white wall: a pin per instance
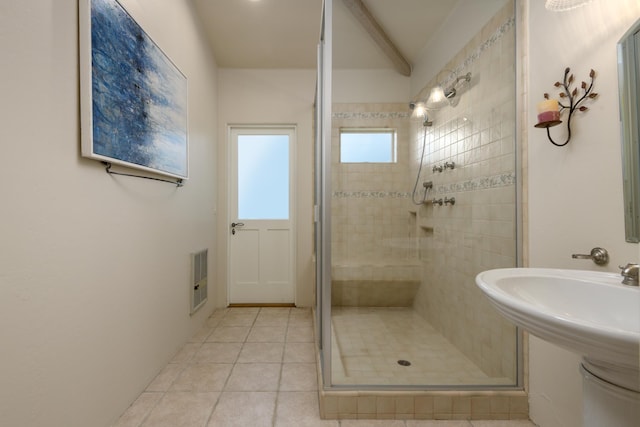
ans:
(575, 192)
(94, 269)
(369, 86)
(270, 97)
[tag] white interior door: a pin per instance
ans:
(261, 224)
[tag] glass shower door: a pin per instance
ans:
(398, 304)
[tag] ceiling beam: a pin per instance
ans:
(379, 36)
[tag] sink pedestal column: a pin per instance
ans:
(606, 404)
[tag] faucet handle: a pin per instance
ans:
(630, 272)
(598, 255)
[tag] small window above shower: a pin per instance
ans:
(367, 145)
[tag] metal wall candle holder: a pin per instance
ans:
(550, 117)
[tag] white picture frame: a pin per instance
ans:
(133, 97)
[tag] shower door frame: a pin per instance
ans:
(520, 139)
(323, 194)
(322, 209)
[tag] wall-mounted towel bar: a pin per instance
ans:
(178, 182)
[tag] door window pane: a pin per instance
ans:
(263, 176)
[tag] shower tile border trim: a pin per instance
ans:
(480, 183)
(370, 115)
(371, 194)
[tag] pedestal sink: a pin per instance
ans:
(589, 313)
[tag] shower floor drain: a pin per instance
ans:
(404, 362)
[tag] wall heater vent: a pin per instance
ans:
(198, 283)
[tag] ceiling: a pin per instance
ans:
(285, 33)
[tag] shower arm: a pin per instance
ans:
(451, 91)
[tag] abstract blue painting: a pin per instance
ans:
(138, 96)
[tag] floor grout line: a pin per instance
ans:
(274, 417)
(215, 404)
(296, 358)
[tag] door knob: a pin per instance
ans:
(234, 225)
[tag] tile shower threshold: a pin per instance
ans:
(423, 405)
(420, 402)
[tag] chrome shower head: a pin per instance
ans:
(418, 110)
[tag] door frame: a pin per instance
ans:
(293, 129)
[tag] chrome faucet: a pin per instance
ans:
(630, 274)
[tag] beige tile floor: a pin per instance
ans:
(250, 367)
(369, 341)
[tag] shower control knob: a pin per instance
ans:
(437, 202)
(437, 169)
(451, 201)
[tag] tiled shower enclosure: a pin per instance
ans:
(406, 316)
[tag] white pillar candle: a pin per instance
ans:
(548, 110)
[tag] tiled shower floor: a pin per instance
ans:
(368, 342)
(250, 367)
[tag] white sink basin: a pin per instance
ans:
(589, 313)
